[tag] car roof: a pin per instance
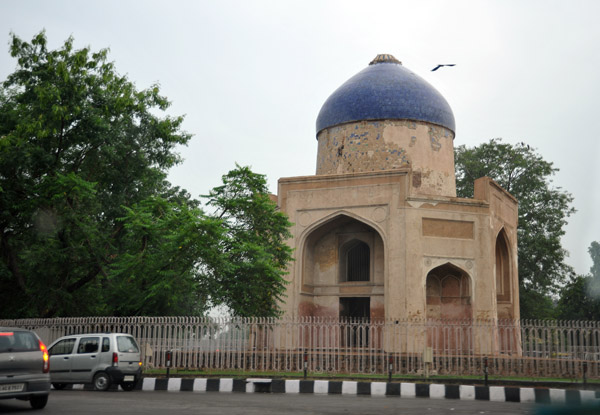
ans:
(96, 334)
(13, 329)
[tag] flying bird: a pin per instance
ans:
(439, 66)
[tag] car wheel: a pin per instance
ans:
(38, 402)
(128, 386)
(101, 381)
(59, 386)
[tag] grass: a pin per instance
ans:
(238, 374)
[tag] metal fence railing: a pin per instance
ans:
(534, 348)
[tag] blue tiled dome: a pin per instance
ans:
(385, 90)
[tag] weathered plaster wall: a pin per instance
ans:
(409, 235)
(386, 145)
(327, 212)
(503, 217)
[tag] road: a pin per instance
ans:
(166, 403)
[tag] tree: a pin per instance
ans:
(543, 213)
(78, 143)
(88, 223)
(183, 259)
(254, 246)
(580, 298)
(162, 246)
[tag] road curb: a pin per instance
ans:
(403, 390)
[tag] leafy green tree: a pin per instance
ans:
(580, 298)
(88, 223)
(78, 142)
(162, 246)
(254, 246)
(543, 213)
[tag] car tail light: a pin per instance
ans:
(115, 359)
(45, 358)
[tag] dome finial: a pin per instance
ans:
(384, 58)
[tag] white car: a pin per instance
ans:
(101, 359)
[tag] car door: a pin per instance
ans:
(60, 360)
(105, 353)
(85, 359)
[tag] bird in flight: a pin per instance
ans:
(439, 66)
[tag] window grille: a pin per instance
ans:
(358, 262)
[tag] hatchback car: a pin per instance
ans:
(101, 359)
(24, 367)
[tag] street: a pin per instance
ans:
(162, 403)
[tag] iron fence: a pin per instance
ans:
(532, 348)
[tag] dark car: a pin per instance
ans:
(24, 367)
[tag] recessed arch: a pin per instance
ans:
(448, 293)
(338, 251)
(335, 216)
(503, 272)
(503, 291)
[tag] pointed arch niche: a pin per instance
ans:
(504, 293)
(343, 263)
(448, 291)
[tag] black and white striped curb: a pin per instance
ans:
(405, 390)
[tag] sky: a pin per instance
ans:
(251, 76)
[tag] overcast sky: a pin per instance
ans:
(251, 76)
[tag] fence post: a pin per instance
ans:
(305, 363)
(485, 370)
(168, 359)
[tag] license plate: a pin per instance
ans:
(129, 378)
(12, 387)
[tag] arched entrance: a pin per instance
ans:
(343, 271)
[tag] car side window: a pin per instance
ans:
(62, 347)
(88, 345)
(105, 344)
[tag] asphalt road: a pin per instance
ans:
(167, 403)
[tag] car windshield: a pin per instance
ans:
(126, 344)
(18, 341)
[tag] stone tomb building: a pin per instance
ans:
(378, 231)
